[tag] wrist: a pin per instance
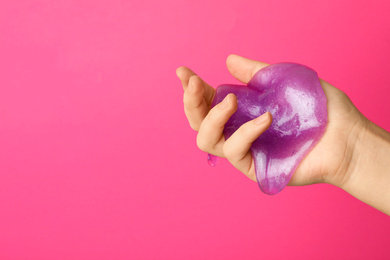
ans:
(344, 157)
(368, 175)
(356, 145)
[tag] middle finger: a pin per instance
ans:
(210, 138)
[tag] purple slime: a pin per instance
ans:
(292, 93)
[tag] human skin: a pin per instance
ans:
(352, 154)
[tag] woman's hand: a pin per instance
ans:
(327, 162)
(337, 157)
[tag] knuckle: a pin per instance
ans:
(196, 105)
(195, 81)
(228, 152)
(192, 78)
(194, 126)
(202, 144)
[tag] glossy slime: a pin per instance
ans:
(292, 93)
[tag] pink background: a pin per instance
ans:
(97, 160)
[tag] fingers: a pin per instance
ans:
(210, 138)
(197, 98)
(242, 68)
(236, 148)
(198, 95)
(184, 74)
(195, 106)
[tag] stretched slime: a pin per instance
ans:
(292, 93)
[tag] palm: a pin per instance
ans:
(327, 162)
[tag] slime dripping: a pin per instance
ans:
(212, 160)
(292, 93)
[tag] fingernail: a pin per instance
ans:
(225, 102)
(261, 119)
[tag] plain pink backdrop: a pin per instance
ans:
(97, 160)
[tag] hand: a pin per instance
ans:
(352, 154)
(329, 161)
